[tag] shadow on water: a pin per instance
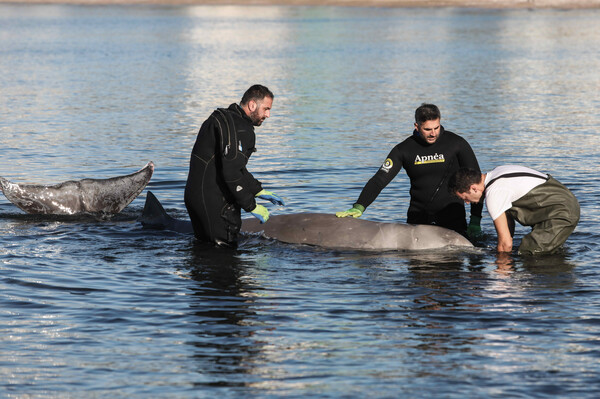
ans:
(128, 214)
(222, 302)
(538, 264)
(464, 302)
(538, 273)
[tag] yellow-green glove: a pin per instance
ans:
(356, 211)
(261, 213)
(474, 227)
(269, 196)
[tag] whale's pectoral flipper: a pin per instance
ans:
(154, 216)
(102, 196)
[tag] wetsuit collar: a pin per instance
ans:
(237, 109)
(418, 136)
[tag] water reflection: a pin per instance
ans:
(556, 265)
(102, 88)
(222, 302)
(440, 285)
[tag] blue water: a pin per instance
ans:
(93, 308)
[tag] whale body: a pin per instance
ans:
(103, 196)
(324, 230)
(329, 231)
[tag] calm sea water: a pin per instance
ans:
(106, 309)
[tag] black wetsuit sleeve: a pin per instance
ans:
(476, 209)
(241, 183)
(385, 174)
(467, 159)
(252, 184)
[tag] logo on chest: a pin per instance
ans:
(427, 159)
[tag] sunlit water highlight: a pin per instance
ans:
(103, 308)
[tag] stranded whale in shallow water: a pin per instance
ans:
(104, 196)
(325, 230)
(329, 231)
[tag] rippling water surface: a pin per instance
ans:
(103, 308)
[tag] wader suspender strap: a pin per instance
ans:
(516, 174)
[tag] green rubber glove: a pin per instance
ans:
(356, 211)
(261, 213)
(474, 227)
(269, 196)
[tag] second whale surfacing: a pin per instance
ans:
(97, 196)
(325, 230)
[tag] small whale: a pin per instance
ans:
(329, 231)
(101, 196)
(324, 230)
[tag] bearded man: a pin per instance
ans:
(218, 184)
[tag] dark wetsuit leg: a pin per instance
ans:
(218, 222)
(452, 217)
(213, 218)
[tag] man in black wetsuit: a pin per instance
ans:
(218, 184)
(430, 156)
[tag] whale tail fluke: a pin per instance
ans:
(86, 196)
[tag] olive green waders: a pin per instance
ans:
(552, 211)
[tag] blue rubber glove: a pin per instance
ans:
(474, 227)
(269, 196)
(356, 211)
(261, 213)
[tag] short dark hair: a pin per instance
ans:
(256, 93)
(427, 112)
(463, 179)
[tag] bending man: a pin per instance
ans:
(530, 197)
(218, 184)
(430, 156)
